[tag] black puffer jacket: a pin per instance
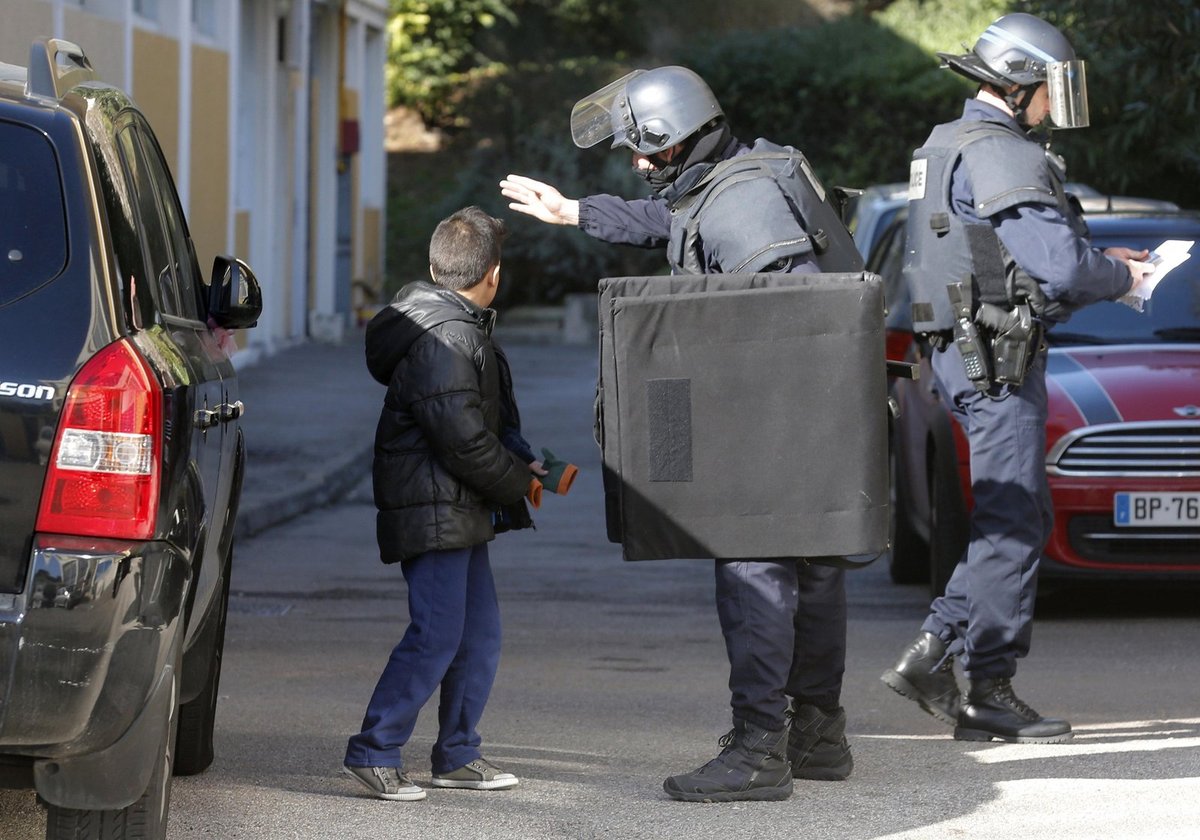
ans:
(440, 470)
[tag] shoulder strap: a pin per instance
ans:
(974, 130)
(727, 173)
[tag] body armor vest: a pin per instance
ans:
(1006, 169)
(780, 212)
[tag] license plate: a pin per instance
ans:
(1156, 510)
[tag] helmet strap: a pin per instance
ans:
(1019, 101)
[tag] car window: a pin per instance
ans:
(168, 201)
(33, 228)
(156, 245)
(1171, 315)
(163, 237)
(887, 260)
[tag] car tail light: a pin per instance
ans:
(106, 462)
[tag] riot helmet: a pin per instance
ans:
(646, 110)
(1021, 49)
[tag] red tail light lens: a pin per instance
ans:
(106, 463)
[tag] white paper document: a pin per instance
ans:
(1164, 258)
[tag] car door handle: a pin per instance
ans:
(206, 418)
(231, 411)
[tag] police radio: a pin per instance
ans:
(971, 345)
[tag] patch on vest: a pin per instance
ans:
(916, 179)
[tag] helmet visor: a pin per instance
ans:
(602, 114)
(1067, 86)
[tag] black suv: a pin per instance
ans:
(121, 456)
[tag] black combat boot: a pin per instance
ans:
(817, 745)
(923, 676)
(752, 766)
(993, 710)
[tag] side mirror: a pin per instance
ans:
(234, 297)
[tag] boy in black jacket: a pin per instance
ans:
(440, 474)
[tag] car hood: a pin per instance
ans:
(1137, 383)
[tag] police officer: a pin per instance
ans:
(996, 253)
(784, 620)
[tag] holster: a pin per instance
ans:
(1012, 337)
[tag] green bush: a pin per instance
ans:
(1143, 75)
(856, 95)
(431, 53)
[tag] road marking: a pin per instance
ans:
(1076, 809)
(1030, 752)
(1118, 737)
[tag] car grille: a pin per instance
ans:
(1096, 539)
(1124, 449)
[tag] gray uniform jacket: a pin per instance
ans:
(1004, 180)
(749, 225)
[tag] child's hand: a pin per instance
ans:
(536, 468)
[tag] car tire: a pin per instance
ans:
(948, 527)
(909, 558)
(145, 819)
(197, 718)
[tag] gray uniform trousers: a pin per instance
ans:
(784, 623)
(986, 615)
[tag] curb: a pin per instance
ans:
(329, 486)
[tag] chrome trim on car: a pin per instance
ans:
(1171, 449)
(1130, 534)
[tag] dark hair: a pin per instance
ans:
(464, 247)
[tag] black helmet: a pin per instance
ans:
(646, 110)
(1024, 50)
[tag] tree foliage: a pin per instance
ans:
(441, 49)
(432, 52)
(1143, 75)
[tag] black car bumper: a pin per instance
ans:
(88, 655)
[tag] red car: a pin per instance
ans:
(1123, 432)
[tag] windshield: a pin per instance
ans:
(1171, 315)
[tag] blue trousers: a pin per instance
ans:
(452, 640)
(986, 615)
(784, 623)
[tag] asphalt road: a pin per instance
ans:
(613, 677)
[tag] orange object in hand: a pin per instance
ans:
(534, 493)
(559, 474)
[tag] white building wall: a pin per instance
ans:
(324, 159)
(280, 183)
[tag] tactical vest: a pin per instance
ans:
(747, 225)
(1005, 169)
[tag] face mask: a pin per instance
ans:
(659, 177)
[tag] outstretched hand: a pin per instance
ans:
(542, 201)
(1133, 258)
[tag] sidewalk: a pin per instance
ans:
(309, 425)
(310, 422)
